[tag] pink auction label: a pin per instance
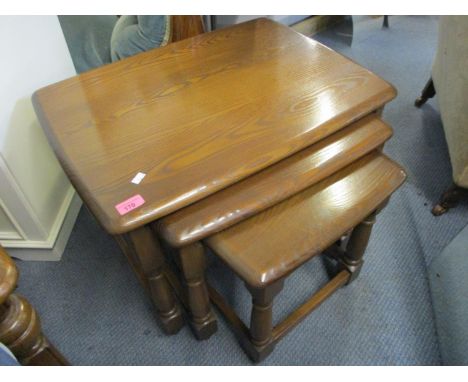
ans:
(130, 204)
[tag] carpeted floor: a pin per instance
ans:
(94, 310)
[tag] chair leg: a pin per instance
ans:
(20, 331)
(385, 22)
(261, 320)
(428, 92)
(356, 246)
(202, 320)
(449, 199)
(151, 260)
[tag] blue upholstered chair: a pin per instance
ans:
(94, 41)
(6, 357)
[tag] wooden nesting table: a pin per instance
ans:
(208, 115)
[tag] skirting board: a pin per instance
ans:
(54, 253)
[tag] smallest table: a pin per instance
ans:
(264, 249)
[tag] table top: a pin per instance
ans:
(272, 185)
(197, 116)
(264, 248)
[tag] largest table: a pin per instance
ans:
(195, 117)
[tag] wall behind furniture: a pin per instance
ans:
(38, 205)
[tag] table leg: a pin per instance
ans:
(356, 246)
(261, 320)
(150, 259)
(192, 261)
(428, 92)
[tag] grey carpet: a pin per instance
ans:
(93, 309)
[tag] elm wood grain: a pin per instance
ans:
(20, 327)
(186, 26)
(258, 192)
(271, 244)
(274, 184)
(268, 187)
(183, 113)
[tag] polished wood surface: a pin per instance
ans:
(8, 275)
(20, 327)
(199, 115)
(267, 246)
(186, 26)
(274, 184)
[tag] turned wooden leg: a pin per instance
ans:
(385, 22)
(449, 199)
(20, 327)
(20, 331)
(356, 246)
(428, 92)
(202, 319)
(261, 320)
(151, 261)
